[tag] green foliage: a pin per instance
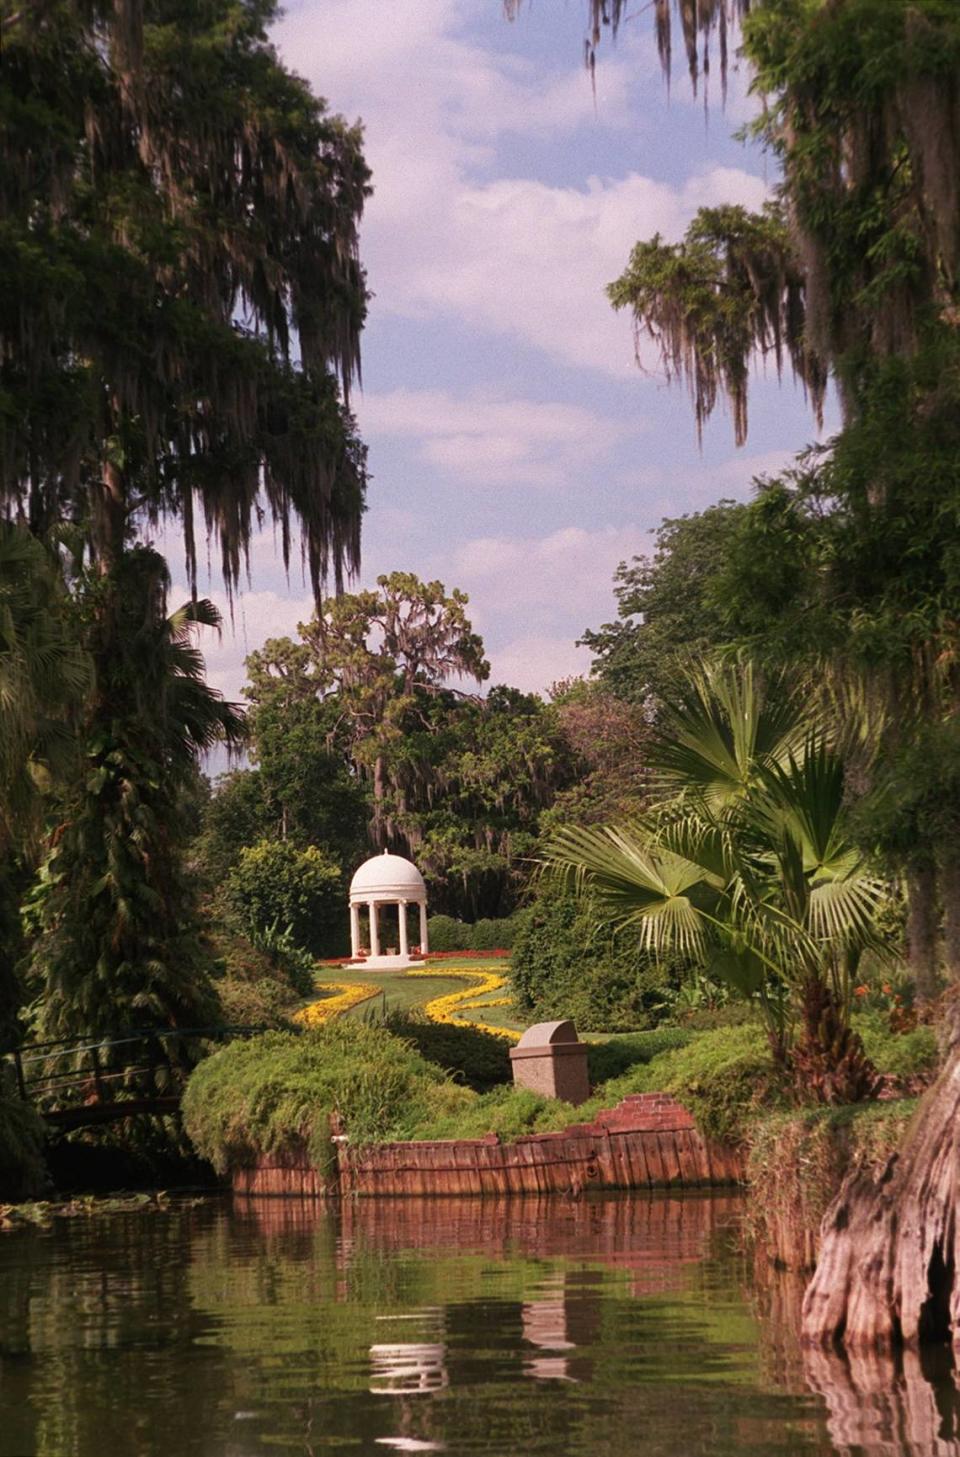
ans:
(746, 867)
(908, 1055)
(723, 1077)
(617, 1055)
(165, 179)
(23, 1172)
(566, 965)
(118, 941)
(265, 1002)
(478, 1059)
(667, 606)
(258, 987)
(276, 888)
(733, 287)
(279, 1090)
(43, 675)
(446, 933)
(507, 1111)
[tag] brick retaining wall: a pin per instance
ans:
(647, 1141)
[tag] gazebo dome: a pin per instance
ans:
(389, 878)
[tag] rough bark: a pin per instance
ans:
(890, 1247)
(922, 930)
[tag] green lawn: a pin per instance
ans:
(401, 992)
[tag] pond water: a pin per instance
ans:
(610, 1327)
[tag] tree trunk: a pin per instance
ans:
(950, 894)
(829, 1063)
(922, 930)
(890, 1247)
(378, 797)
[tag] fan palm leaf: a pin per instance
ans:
(721, 730)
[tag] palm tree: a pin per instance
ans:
(745, 867)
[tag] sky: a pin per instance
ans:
(516, 449)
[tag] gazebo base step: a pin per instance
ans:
(385, 963)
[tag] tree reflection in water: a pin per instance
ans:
(906, 1405)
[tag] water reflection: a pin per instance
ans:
(462, 1327)
(904, 1406)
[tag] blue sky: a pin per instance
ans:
(516, 450)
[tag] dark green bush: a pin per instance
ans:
(275, 886)
(490, 935)
(279, 1090)
(474, 1057)
(446, 934)
(562, 967)
(263, 1003)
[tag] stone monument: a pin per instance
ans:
(550, 1059)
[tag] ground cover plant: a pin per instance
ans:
(280, 1090)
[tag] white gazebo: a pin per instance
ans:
(387, 880)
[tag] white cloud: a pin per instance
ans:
(509, 256)
(534, 663)
(530, 599)
(490, 441)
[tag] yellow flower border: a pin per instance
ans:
(452, 1007)
(349, 994)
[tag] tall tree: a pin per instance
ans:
(667, 607)
(180, 309)
(385, 654)
(456, 780)
(853, 272)
(179, 285)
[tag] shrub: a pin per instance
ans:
(263, 1003)
(279, 1090)
(472, 1056)
(908, 1056)
(446, 934)
(507, 1111)
(562, 967)
(490, 935)
(611, 1059)
(723, 1077)
(275, 886)
(257, 988)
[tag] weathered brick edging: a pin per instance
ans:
(647, 1141)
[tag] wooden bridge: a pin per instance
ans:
(78, 1081)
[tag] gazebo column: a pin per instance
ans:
(374, 930)
(354, 931)
(424, 948)
(402, 921)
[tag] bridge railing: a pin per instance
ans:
(137, 1062)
